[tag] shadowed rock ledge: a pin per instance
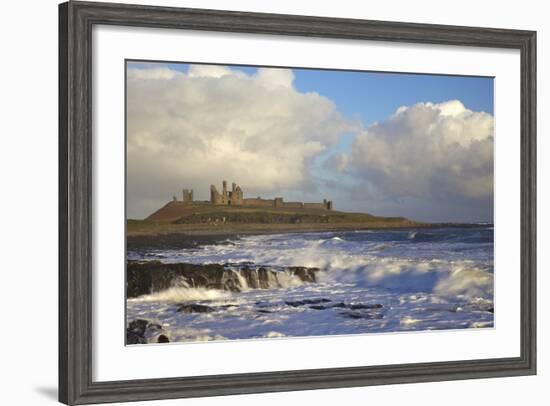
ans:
(147, 277)
(142, 331)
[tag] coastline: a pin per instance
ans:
(180, 236)
(191, 287)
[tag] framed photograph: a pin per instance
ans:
(259, 202)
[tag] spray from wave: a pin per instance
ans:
(317, 284)
(178, 294)
(400, 261)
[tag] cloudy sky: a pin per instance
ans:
(419, 146)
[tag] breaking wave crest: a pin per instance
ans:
(178, 294)
(440, 277)
(342, 262)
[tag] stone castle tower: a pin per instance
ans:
(188, 195)
(233, 197)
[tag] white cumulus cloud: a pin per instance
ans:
(191, 129)
(436, 154)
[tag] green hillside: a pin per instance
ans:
(203, 217)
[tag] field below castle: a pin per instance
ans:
(206, 219)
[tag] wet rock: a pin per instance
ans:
(353, 306)
(327, 306)
(162, 339)
(296, 303)
(195, 308)
(138, 326)
(305, 274)
(227, 306)
(362, 315)
(153, 276)
(142, 331)
(148, 277)
(364, 306)
(339, 305)
(133, 338)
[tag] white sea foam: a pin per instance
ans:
(178, 294)
(461, 277)
(274, 334)
(423, 280)
(406, 321)
(352, 262)
(468, 281)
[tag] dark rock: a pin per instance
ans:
(364, 306)
(227, 306)
(138, 330)
(362, 315)
(146, 277)
(162, 339)
(296, 303)
(154, 326)
(341, 305)
(264, 311)
(138, 326)
(305, 274)
(133, 338)
(195, 308)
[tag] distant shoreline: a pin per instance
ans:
(183, 236)
(141, 227)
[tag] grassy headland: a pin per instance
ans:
(205, 219)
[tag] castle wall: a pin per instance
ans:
(293, 205)
(188, 195)
(215, 196)
(259, 202)
(235, 197)
(314, 206)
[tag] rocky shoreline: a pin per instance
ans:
(146, 277)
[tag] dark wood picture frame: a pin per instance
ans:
(76, 20)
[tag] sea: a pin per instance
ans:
(373, 281)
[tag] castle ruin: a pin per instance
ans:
(235, 197)
(188, 195)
